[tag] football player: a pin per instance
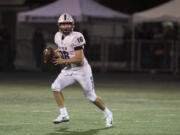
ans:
(70, 52)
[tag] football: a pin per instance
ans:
(48, 55)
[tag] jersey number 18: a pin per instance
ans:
(65, 55)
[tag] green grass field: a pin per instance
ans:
(148, 109)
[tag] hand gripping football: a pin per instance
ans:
(48, 55)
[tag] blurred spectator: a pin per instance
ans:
(157, 33)
(168, 33)
(38, 46)
(127, 44)
(87, 46)
(157, 48)
(139, 33)
(5, 48)
(168, 36)
(86, 36)
(142, 32)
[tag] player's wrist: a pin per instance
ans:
(62, 61)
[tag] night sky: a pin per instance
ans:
(131, 6)
(125, 6)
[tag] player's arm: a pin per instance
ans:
(57, 53)
(78, 58)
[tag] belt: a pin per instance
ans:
(73, 65)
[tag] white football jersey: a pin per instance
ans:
(71, 43)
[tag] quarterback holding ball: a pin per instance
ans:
(70, 53)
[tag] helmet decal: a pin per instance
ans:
(65, 17)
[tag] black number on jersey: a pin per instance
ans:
(80, 39)
(65, 55)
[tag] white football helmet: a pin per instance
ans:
(66, 18)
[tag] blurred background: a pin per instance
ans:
(133, 47)
(126, 35)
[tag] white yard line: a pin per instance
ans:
(26, 123)
(147, 121)
(37, 111)
(34, 111)
(165, 115)
(143, 109)
(149, 100)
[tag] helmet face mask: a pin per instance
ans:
(62, 21)
(66, 28)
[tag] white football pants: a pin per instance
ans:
(82, 75)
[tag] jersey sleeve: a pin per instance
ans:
(55, 39)
(79, 42)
